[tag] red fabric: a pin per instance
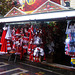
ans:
(38, 59)
(13, 38)
(20, 51)
(25, 39)
(34, 46)
(30, 37)
(27, 33)
(18, 31)
(29, 48)
(14, 46)
(4, 42)
(8, 46)
(31, 56)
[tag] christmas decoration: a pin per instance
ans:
(3, 40)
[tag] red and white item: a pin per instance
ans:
(13, 38)
(29, 49)
(37, 50)
(36, 53)
(25, 46)
(21, 31)
(8, 45)
(26, 32)
(32, 29)
(14, 45)
(13, 31)
(13, 34)
(30, 37)
(37, 40)
(18, 32)
(8, 37)
(29, 30)
(3, 40)
(25, 39)
(31, 56)
(17, 39)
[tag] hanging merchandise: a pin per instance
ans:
(3, 41)
(26, 32)
(70, 41)
(13, 38)
(8, 34)
(8, 38)
(18, 32)
(38, 51)
(31, 36)
(23, 40)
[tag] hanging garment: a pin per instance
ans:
(37, 40)
(8, 37)
(25, 39)
(8, 34)
(3, 40)
(70, 41)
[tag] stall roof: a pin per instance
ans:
(14, 12)
(50, 6)
(40, 16)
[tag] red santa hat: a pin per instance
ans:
(18, 32)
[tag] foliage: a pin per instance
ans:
(6, 5)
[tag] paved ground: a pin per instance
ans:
(21, 68)
(25, 67)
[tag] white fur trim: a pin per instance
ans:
(4, 28)
(8, 44)
(8, 48)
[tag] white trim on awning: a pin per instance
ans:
(41, 16)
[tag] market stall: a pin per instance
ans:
(36, 34)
